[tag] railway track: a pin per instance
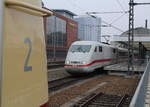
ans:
(83, 93)
(104, 100)
(64, 82)
(67, 81)
(61, 83)
(55, 64)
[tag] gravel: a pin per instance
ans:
(114, 85)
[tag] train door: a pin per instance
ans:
(115, 51)
(101, 54)
(112, 55)
(23, 64)
(106, 55)
(98, 55)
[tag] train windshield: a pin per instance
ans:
(80, 48)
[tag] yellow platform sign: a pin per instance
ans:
(24, 69)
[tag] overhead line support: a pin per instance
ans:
(131, 34)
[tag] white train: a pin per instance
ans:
(86, 56)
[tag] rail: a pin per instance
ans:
(28, 8)
(138, 99)
(86, 103)
(103, 100)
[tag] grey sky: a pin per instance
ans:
(79, 7)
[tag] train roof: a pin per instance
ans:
(92, 43)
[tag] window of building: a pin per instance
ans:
(56, 31)
(58, 53)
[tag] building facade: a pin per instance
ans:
(140, 35)
(141, 41)
(60, 32)
(89, 28)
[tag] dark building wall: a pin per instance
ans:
(72, 29)
(71, 32)
(71, 35)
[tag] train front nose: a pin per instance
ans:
(77, 67)
(77, 62)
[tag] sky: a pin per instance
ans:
(120, 20)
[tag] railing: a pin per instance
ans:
(140, 62)
(138, 99)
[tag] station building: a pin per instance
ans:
(141, 40)
(60, 31)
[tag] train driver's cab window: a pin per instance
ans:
(100, 49)
(80, 48)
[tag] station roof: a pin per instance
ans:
(141, 34)
(66, 11)
(139, 31)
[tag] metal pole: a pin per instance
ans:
(146, 23)
(131, 37)
(131, 34)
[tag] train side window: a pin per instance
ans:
(95, 50)
(114, 50)
(100, 49)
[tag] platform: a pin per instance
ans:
(147, 97)
(123, 67)
(141, 97)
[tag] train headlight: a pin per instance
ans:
(67, 62)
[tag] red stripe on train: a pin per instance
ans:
(96, 61)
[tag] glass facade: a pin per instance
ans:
(58, 54)
(56, 31)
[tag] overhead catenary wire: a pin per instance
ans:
(120, 5)
(113, 26)
(109, 25)
(118, 18)
(109, 12)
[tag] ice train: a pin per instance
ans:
(86, 56)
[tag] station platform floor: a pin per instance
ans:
(147, 97)
(123, 67)
(138, 68)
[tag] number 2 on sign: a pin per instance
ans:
(26, 66)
